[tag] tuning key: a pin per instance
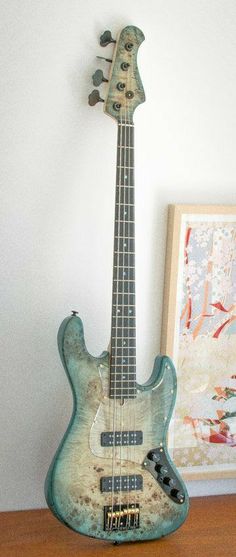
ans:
(106, 38)
(94, 98)
(98, 78)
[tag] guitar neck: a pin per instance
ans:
(123, 336)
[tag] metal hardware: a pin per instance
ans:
(129, 94)
(116, 106)
(98, 78)
(129, 46)
(160, 468)
(121, 517)
(120, 86)
(124, 66)
(94, 98)
(102, 58)
(106, 38)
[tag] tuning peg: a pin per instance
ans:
(102, 58)
(106, 38)
(98, 78)
(94, 98)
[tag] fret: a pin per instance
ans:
(123, 280)
(125, 287)
(125, 252)
(125, 166)
(126, 320)
(127, 204)
(120, 373)
(123, 373)
(123, 395)
(122, 327)
(120, 360)
(125, 377)
(118, 332)
(124, 221)
(122, 319)
(119, 297)
(119, 351)
(126, 124)
(120, 366)
(124, 147)
(127, 186)
(126, 331)
(121, 267)
(124, 305)
(125, 237)
(116, 380)
(125, 383)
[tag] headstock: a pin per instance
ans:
(125, 91)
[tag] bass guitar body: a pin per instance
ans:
(110, 442)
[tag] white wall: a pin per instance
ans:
(58, 176)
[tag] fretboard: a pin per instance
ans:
(123, 332)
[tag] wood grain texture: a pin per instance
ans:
(73, 481)
(130, 78)
(209, 530)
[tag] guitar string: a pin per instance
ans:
(127, 190)
(122, 329)
(133, 383)
(128, 290)
(116, 297)
(123, 171)
(123, 338)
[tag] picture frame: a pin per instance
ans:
(199, 333)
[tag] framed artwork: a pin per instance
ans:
(199, 333)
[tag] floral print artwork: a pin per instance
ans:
(204, 426)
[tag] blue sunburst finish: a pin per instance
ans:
(73, 481)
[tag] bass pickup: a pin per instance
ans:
(121, 438)
(133, 482)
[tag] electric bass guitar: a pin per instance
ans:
(112, 476)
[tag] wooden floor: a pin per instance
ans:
(209, 531)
